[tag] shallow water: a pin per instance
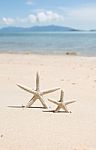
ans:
(82, 43)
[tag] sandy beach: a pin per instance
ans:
(35, 128)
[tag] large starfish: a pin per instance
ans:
(37, 94)
(61, 104)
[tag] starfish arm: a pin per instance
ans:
(43, 103)
(37, 82)
(49, 91)
(57, 109)
(53, 101)
(66, 103)
(26, 89)
(61, 96)
(33, 99)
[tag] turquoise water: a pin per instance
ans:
(82, 43)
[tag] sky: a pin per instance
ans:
(79, 14)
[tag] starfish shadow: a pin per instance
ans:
(63, 112)
(24, 107)
(48, 110)
(55, 112)
(16, 106)
(37, 107)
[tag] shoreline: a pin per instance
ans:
(67, 53)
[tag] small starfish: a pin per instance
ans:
(37, 94)
(61, 104)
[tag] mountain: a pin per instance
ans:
(49, 28)
(94, 30)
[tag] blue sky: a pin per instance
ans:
(73, 13)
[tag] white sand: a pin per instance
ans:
(33, 129)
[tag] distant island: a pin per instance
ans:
(94, 30)
(49, 28)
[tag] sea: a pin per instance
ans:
(79, 43)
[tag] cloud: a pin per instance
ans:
(7, 21)
(80, 17)
(29, 2)
(45, 17)
(40, 17)
(31, 18)
(83, 13)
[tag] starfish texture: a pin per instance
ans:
(60, 104)
(37, 94)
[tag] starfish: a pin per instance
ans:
(37, 94)
(61, 104)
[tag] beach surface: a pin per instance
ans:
(36, 128)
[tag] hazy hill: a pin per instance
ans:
(50, 28)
